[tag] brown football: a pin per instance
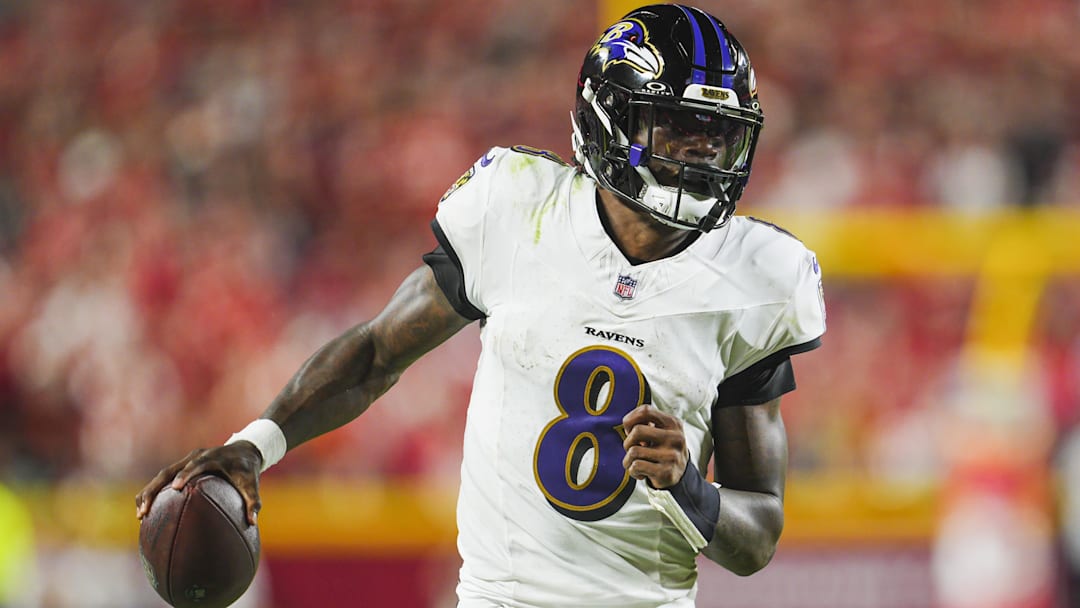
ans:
(196, 545)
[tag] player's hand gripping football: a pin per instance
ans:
(655, 446)
(239, 463)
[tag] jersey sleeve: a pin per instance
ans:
(761, 368)
(450, 276)
(760, 383)
(801, 322)
(459, 226)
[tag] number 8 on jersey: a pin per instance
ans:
(594, 389)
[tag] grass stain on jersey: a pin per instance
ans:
(538, 213)
(522, 162)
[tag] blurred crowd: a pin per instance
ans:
(196, 194)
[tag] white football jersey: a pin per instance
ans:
(574, 337)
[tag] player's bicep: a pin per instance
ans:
(751, 451)
(416, 319)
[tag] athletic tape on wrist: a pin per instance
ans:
(693, 505)
(267, 437)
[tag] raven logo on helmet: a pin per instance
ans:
(628, 42)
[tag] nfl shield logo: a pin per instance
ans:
(625, 286)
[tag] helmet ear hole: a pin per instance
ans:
(614, 101)
(607, 99)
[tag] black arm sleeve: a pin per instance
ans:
(449, 274)
(763, 381)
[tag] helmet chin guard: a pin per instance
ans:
(669, 132)
(666, 203)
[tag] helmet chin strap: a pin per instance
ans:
(666, 203)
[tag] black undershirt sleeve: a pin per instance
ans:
(763, 381)
(446, 265)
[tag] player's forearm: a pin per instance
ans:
(747, 532)
(345, 376)
(332, 388)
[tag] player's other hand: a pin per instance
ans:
(239, 463)
(655, 446)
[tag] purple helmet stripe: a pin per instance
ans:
(697, 75)
(728, 79)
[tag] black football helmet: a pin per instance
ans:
(667, 115)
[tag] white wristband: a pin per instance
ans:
(267, 437)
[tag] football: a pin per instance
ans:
(196, 545)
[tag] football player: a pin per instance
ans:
(633, 329)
